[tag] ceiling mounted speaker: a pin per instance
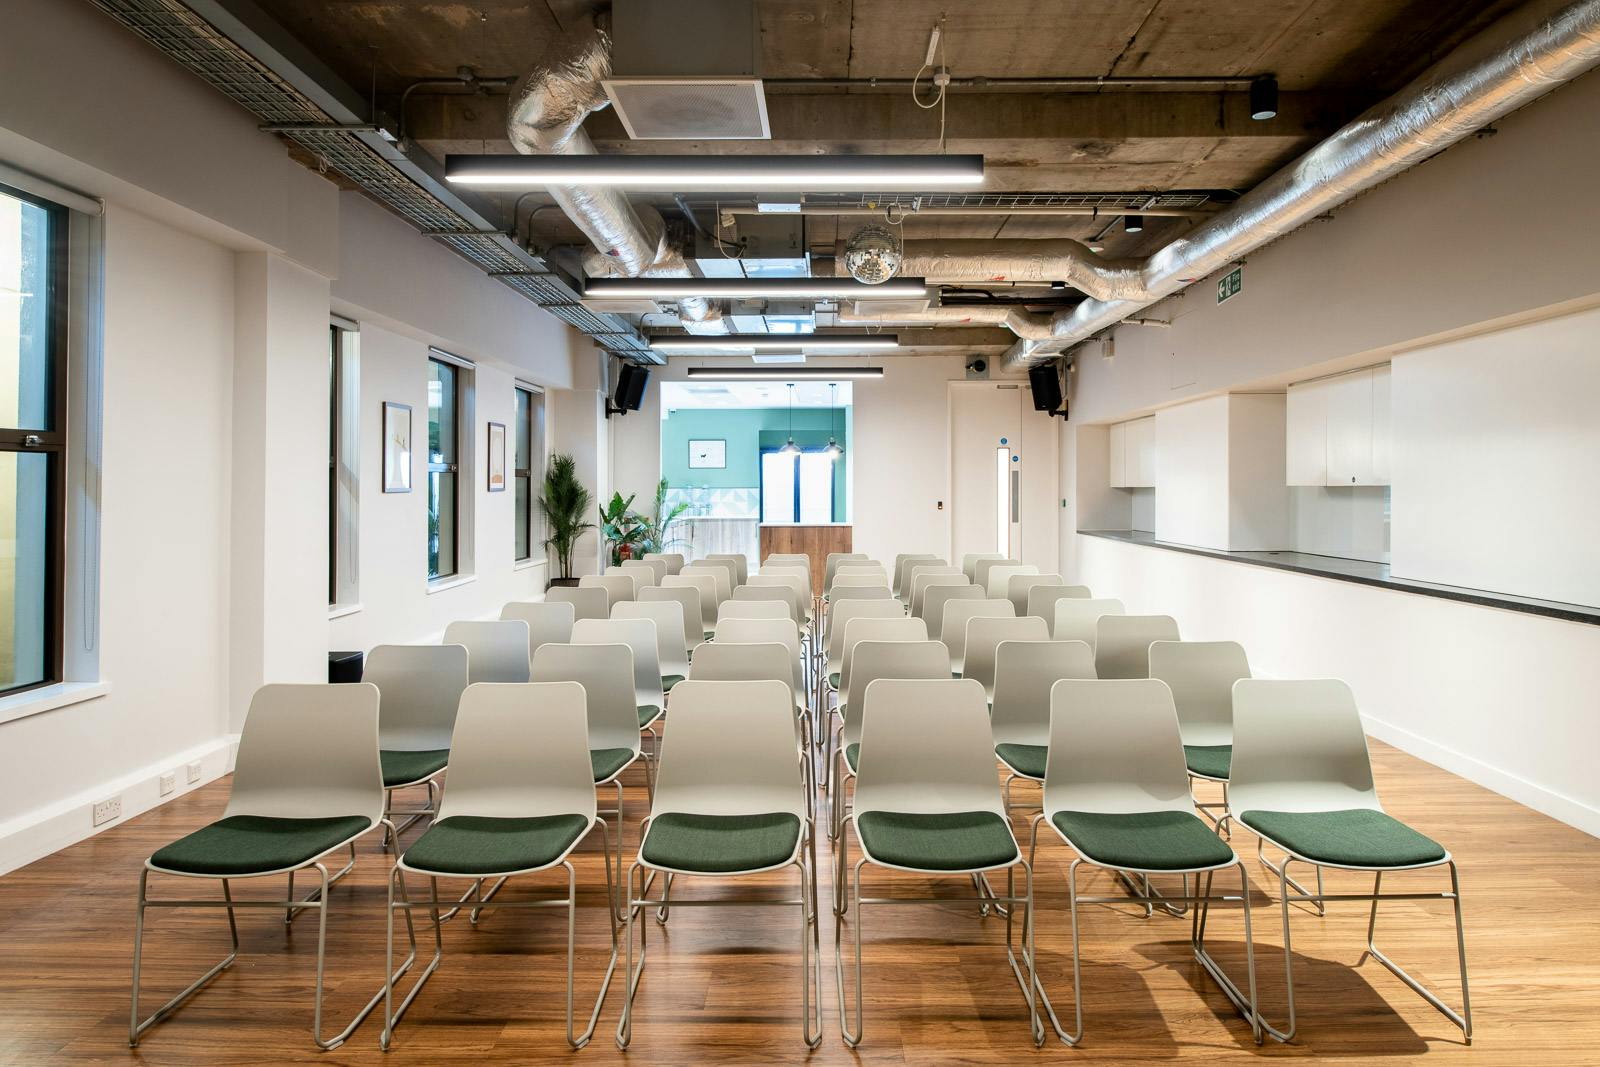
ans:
(872, 255)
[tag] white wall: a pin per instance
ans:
(1192, 451)
(1345, 521)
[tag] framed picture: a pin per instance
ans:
(497, 457)
(396, 447)
(706, 455)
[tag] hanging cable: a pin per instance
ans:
(941, 78)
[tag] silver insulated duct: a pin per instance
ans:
(546, 118)
(1500, 70)
(1041, 261)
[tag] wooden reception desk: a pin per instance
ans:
(815, 540)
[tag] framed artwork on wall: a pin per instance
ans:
(497, 457)
(396, 447)
(708, 455)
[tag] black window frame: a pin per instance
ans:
(335, 425)
(51, 441)
(453, 469)
(523, 527)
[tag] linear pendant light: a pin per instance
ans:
(782, 374)
(778, 342)
(692, 173)
(791, 449)
(833, 451)
(752, 288)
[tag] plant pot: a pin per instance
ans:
(565, 583)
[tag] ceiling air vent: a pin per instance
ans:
(693, 109)
(688, 70)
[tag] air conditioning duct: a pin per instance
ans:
(688, 70)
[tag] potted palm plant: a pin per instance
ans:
(623, 529)
(565, 502)
(660, 522)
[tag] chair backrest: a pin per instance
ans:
(729, 569)
(722, 587)
(655, 568)
(925, 749)
(673, 560)
(672, 646)
(1201, 676)
(705, 586)
(786, 557)
(870, 575)
(420, 687)
(783, 594)
(1122, 643)
(1024, 672)
(755, 609)
(521, 751)
(997, 584)
(1018, 585)
(1114, 748)
(618, 586)
(830, 563)
(587, 602)
(730, 751)
(840, 614)
(1042, 599)
(861, 592)
(953, 623)
(688, 602)
(924, 581)
(497, 651)
(640, 637)
(899, 628)
(796, 582)
(900, 562)
(938, 597)
(982, 567)
(309, 752)
(741, 564)
(548, 620)
(917, 566)
(1298, 746)
(1076, 618)
(984, 635)
(606, 674)
(736, 633)
(640, 578)
(970, 561)
(872, 660)
(743, 662)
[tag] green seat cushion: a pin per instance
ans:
(1144, 840)
(1026, 760)
(608, 761)
(254, 844)
(833, 679)
(852, 753)
(959, 841)
(1210, 760)
(720, 844)
(670, 680)
(648, 713)
(475, 844)
(1357, 837)
(403, 768)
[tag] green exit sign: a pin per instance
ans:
(1230, 284)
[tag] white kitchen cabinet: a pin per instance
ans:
(1382, 426)
(1338, 430)
(1119, 455)
(1306, 447)
(1133, 454)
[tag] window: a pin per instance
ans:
(444, 441)
(529, 470)
(344, 451)
(33, 256)
(797, 487)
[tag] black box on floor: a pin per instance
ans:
(346, 666)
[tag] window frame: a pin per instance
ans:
(51, 442)
(455, 469)
(344, 462)
(536, 450)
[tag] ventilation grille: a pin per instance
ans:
(690, 109)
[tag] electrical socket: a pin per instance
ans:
(169, 782)
(193, 770)
(107, 809)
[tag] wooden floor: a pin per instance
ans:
(722, 985)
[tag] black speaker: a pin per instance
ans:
(1046, 387)
(631, 382)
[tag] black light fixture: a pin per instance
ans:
(834, 449)
(1133, 223)
(1264, 98)
(791, 449)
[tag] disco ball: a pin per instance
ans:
(872, 255)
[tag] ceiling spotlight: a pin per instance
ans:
(782, 374)
(1096, 246)
(780, 342)
(752, 288)
(1264, 98)
(1058, 287)
(706, 172)
(1133, 223)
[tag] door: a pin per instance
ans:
(985, 469)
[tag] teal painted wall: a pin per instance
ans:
(747, 431)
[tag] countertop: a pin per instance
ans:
(806, 525)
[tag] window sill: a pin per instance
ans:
(528, 564)
(455, 581)
(339, 611)
(49, 698)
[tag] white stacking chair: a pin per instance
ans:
(730, 801)
(672, 648)
(914, 567)
(1077, 619)
(753, 662)
(673, 560)
(587, 602)
(1122, 643)
(788, 557)
(1018, 585)
(984, 634)
(830, 564)
(1301, 780)
(689, 607)
(756, 609)
(839, 616)
(1116, 792)
(924, 581)
(927, 801)
(858, 630)
(618, 586)
(953, 623)
(860, 592)
(497, 650)
(729, 569)
(1024, 672)
(970, 561)
(606, 674)
(865, 574)
(1042, 599)
(798, 585)
(900, 562)
(704, 585)
(1201, 676)
(721, 578)
(641, 578)
(521, 779)
(548, 620)
(640, 637)
(938, 597)
(419, 688)
(776, 631)
(998, 582)
(982, 567)
(653, 569)
(782, 592)
(741, 564)
(306, 782)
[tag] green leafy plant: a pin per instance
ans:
(661, 520)
(565, 502)
(623, 528)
